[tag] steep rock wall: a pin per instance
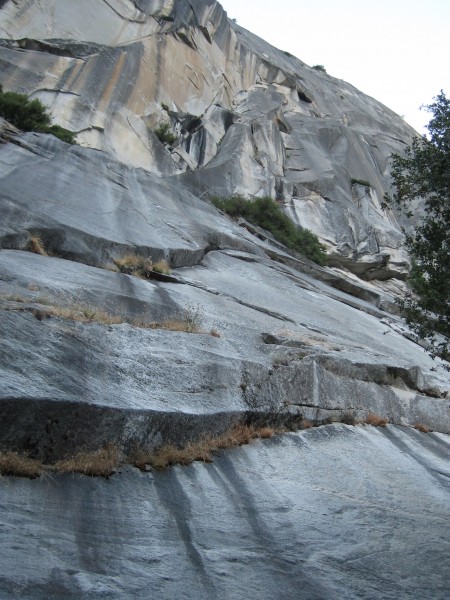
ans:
(249, 118)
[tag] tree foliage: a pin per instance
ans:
(30, 115)
(266, 213)
(165, 135)
(423, 172)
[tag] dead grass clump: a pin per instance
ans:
(239, 435)
(12, 298)
(213, 331)
(173, 325)
(421, 427)
(83, 314)
(132, 264)
(101, 463)
(202, 450)
(376, 420)
(162, 266)
(264, 432)
(189, 320)
(305, 424)
(36, 245)
(170, 455)
(20, 465)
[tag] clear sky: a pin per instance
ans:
(397, 51)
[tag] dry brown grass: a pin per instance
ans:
(264, 432)
(169, 455)
(187, 321)
(201, 450)
(36, 245)
(100, 463)
(305, 424)
(20, 465)
(83, 314)
(173, 325)
(132, 264)
(104, 462)
(421, 427)
(162, 266)
(12, 298)
(213, 331)
(376, 420)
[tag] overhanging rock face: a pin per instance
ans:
(250, 119)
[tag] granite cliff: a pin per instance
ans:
(249, 119)
(87, 358)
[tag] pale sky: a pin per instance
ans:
(397, 51)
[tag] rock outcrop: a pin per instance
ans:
(335, 512)
(249, 119)
(240, 331)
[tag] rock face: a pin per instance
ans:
(335, 512)
(250, 119)
(257, 334)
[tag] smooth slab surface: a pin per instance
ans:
(335, 512)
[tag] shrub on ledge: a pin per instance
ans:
(30, 115)
(266, 213)
(165, 135)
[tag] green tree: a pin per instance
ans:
(423, 172)
(30, 115)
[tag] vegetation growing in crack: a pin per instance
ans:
(141, 266)
(30, 115)
(165, 134)
(266, 213)
(188, 320)
(362, 182)
(105, 461)
(36, 246)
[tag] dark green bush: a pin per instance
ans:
(320, 68)
(164, 134)
(63, 134)
(30, 115)
(362, 182)
(266, 213)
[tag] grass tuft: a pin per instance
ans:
(202, 450)
(132, 264)
(376, 420)
(162, 266)
(421, 427)
(188, 320)
(101, 463)
(20, 465)
(36, 245)
(140, 266)
(82, 314)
